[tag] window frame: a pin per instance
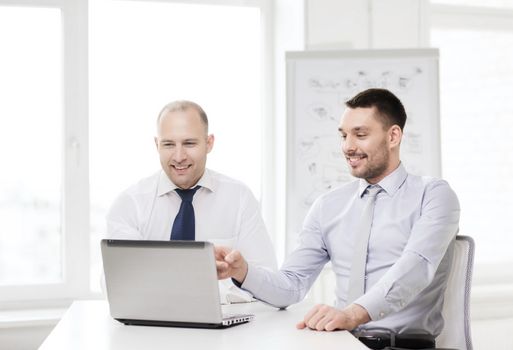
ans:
(75, 233)
(489, 278)
(75, 157)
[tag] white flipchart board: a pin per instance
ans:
(318, 84)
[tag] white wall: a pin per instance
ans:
(361, 24)
(288, 35)
(23, 338)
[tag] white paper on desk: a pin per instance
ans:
(230, 294)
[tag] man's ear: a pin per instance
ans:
(395, 135)
(156, 142)
(210, 142)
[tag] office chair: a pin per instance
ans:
(456, 313)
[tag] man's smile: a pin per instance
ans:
(355, 159)
(180, 168)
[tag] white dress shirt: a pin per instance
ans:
(408, 260)
(225, 210)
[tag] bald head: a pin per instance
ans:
(182, 106)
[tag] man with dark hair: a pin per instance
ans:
(389, 236)
(389, 108)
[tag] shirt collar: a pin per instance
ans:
(166, 185)
(390, 184)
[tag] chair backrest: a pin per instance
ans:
(456, 310)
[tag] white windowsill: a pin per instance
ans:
(37, 313)
(30, 318)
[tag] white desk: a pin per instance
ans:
(88, 325)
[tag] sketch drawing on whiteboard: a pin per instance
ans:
(323, 85)
(412, 142)
(322, 165)
(385, 79)
(364, 79)
(329, 177)
(308, 147)
(321, 112)
(319, 145)
(319, 84)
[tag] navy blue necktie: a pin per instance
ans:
(183, 226)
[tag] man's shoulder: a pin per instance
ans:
(224, 181)
(146, 185)
(343, 191)
(431, 190)
(426, 182)
(137, 195)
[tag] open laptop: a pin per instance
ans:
(164, 283)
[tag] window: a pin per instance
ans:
(210, 54)
(78, 119)
(43, 190)
(30, 145)
(476, 51)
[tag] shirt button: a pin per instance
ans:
(381, 314)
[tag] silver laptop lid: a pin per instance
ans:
(161, 280)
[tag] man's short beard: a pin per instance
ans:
(376, 170)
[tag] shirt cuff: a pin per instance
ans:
(375, 304)
(253, 280)
(236, 283)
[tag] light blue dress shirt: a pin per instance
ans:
(408, 260)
